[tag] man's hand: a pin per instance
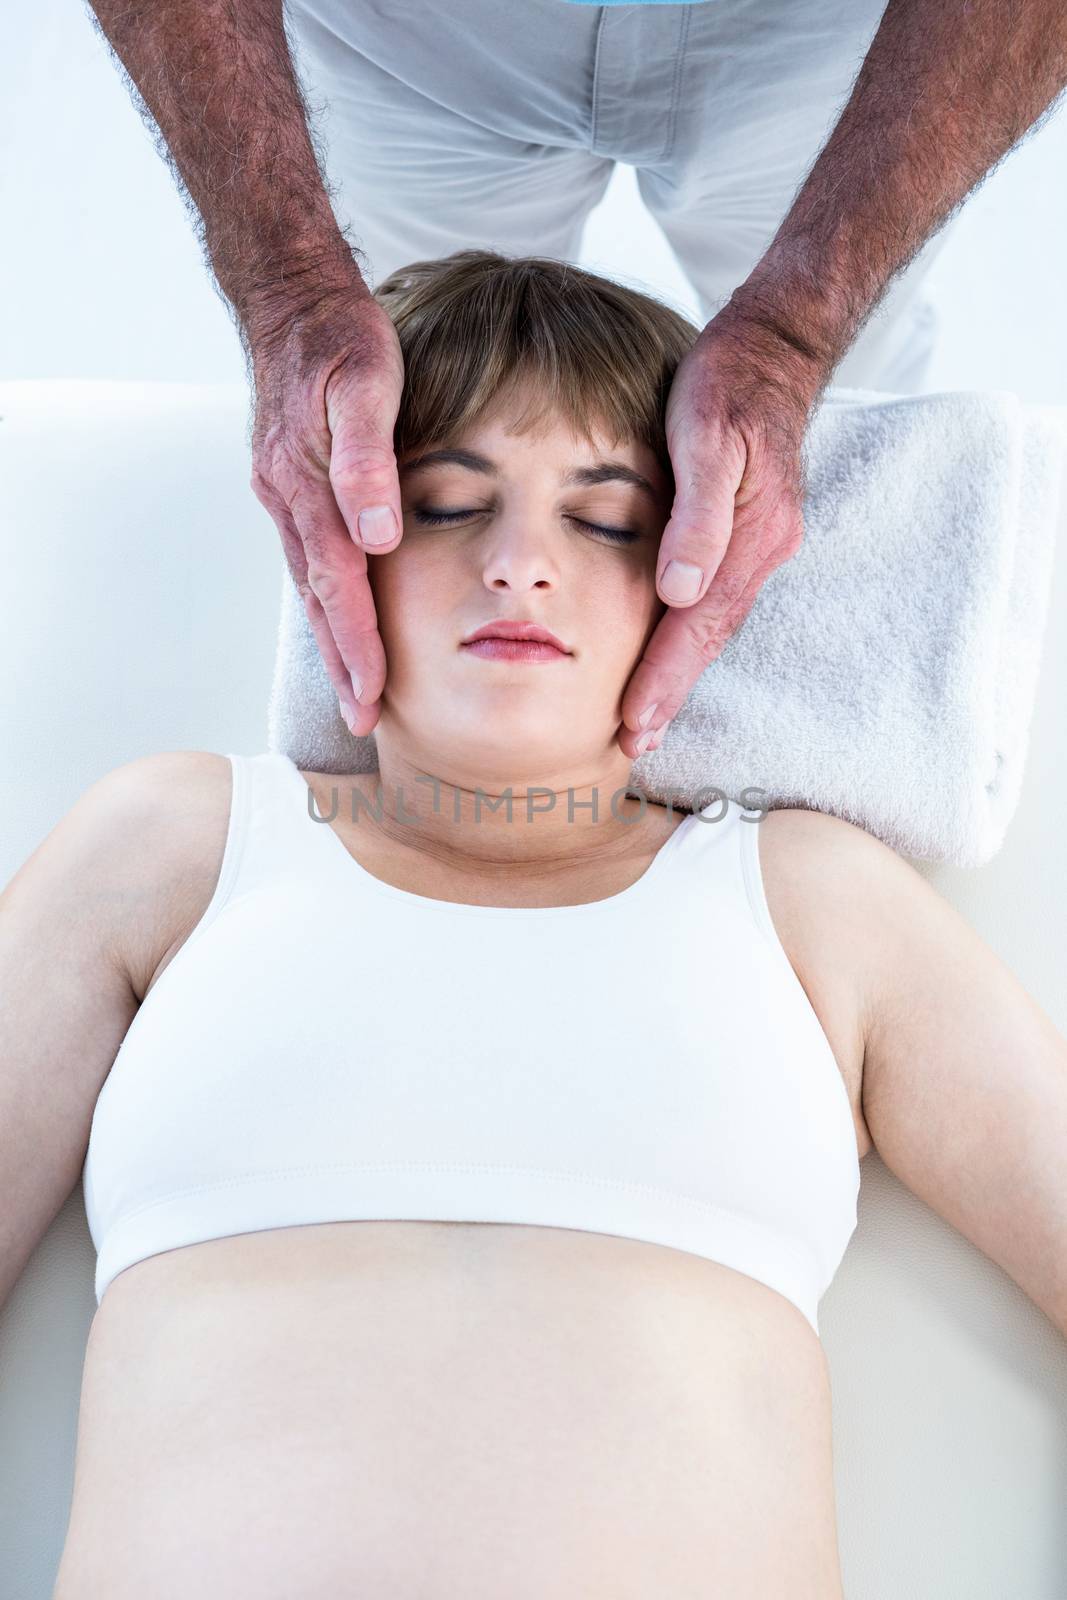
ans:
(735, 422)
(328, 378)
(943, 93)
(215, 82)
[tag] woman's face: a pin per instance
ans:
(532, 527)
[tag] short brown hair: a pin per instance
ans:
(473, 324)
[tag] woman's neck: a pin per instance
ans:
(487, 819)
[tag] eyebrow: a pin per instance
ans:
(603, 472)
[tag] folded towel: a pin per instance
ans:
(885, 674)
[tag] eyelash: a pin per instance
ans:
(437, 519)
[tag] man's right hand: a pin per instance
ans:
(328, 375)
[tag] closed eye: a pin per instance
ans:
(439, 519)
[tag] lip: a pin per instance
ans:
(521, 633)
(514, 650)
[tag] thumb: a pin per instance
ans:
(363, 471)
(698, 531)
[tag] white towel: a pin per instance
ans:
(885, 674)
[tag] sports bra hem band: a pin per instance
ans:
(472, 1192)
(270, 1175)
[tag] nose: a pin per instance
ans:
(519, 556)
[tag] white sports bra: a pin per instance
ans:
(325, 1046)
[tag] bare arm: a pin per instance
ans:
(215, 79)
(945, 90)
(964, 1078)
(82, 924)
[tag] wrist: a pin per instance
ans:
(756, 351)
(269, 295)
(798, 296)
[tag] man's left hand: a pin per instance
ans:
(735, 423)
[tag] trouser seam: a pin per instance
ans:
(676, 85)
(597, 53)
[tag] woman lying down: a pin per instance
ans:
(465, 1176)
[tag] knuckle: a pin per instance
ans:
(265, 448)
(728, 586)
(267, 494)
(731, 586)
(261, 469)
(296, 480)
(324, 580)
(356, 464)
(702, 633)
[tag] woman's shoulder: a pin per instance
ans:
(162, 801)
(833, 891)
(828, 884)
(164, 817)
(807, 846)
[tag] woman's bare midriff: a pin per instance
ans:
(452, 1411)
(441, 1410)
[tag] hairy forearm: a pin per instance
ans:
(946, 89)
(217, 79)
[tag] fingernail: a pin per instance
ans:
(681, 580)
(651, 739)
(647, 714)
(345, 713)
(357, 686)
(377, 525)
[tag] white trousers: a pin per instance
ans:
(496, 124)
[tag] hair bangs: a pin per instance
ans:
(478, 329)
